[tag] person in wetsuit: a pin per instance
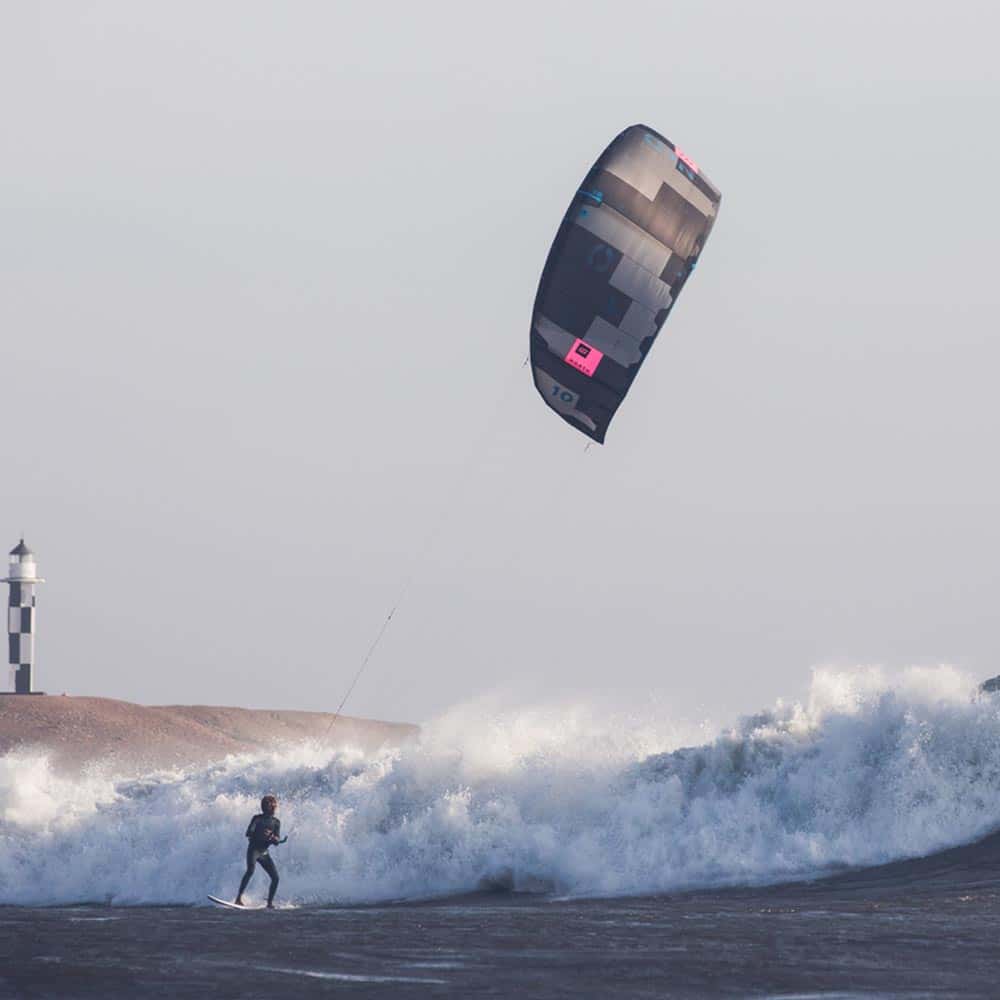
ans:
(263, 832)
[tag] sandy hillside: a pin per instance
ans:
(132, 738)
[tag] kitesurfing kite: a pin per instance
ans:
(629, 241)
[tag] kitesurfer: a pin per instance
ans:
(263, 832)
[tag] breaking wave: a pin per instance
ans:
(868, 770)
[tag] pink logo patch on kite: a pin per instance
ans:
(583, 357)
(686, 160)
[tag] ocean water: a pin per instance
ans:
(844, 846)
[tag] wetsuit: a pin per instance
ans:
(262, 832)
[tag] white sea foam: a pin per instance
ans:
(868, 770)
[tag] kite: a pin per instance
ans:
(628, 243)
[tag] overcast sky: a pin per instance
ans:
(267, 275)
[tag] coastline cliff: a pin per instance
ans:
(77, 732)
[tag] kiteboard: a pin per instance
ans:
(233, 906)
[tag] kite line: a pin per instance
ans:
(481, 445)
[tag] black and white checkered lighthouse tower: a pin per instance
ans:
(21, 615)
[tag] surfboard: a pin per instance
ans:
(233, 906)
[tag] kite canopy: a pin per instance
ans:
(627, 244)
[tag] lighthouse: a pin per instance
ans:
(23, 575)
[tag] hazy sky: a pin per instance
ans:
(267, 274)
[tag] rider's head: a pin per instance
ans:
(269, 805)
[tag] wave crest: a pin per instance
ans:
(870, 769)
